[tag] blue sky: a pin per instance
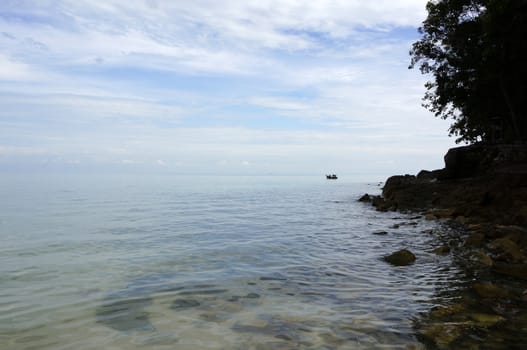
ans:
(214, 87)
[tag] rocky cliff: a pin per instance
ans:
(481, 183)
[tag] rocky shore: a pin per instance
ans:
(483, 191)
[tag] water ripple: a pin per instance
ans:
(246, 264)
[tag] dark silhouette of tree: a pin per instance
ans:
(476, 51)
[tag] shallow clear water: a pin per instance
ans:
(132, 262)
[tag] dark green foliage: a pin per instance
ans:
(476, 51)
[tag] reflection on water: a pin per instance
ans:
(211, 263)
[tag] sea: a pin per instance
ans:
(210, 262)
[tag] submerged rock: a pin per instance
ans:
(444, 250)
(125, 314)
(252, 296)
(402, 257)
(486, 320)
(444, 334)
(483, 259)
(380, 233)
(490, 290)
(184, 303)
(448, 310)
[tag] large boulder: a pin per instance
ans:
(480, 160)
(461, 162)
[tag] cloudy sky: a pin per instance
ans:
(214, 87)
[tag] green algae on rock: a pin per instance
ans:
(402, 257)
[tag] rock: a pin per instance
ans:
(483, 259)
(444, 250)
(474, 227)
(444, 334)
(427, 175)
(505, 249)
(400, 258)
(521, 215)
(380, 233)
(430, 216)
(443, 213)
(448, 310)
(461, 219)
(486, 320)
(184, 303)
(379, 203)
(465, 161)
(475, 240)
(252, 296)
(514, 270)
(365, 198)
(490, 291)
(505, 230)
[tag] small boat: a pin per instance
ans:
(331, 177)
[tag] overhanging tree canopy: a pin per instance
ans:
(476, 51)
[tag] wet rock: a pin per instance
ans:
(402, 257)
(252, 326)
(486, 320)
(514, 270)
(490, 291)
(283, 337)
(460, 219)
(483, 259)
(448, 310)
(475, 240)
(184, 303)
(380, 233)
(430, 217)
(505, 230)
(505, 249)
(380, 204)
(212, 317)
(365, 198)
(444, 334)
(125, 315)
(443, 213)
(252, 296)
(474, 227)
(444, 250)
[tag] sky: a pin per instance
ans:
(288, 87)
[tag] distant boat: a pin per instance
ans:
(331, 177)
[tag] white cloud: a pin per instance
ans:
(11, 70)
(21, 151)
(279, 103)
(177, 82)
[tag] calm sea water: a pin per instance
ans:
(134, 262)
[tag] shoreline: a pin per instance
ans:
(483, 191)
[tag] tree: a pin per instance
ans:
(476, 51)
